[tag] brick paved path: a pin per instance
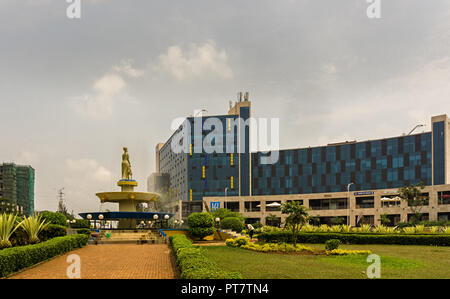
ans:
(110, 261)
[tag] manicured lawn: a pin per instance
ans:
(396, 262)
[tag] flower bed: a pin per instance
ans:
(357, 238)
(288, 248)
(347, 252)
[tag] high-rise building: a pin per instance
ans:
(17, 188)
(357, 181)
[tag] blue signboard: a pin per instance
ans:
(214, 205)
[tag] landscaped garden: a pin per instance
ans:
(27, 241)
(397, 261)
(302, 250)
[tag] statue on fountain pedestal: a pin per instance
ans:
(126, 165)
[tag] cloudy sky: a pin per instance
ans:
(74, 91)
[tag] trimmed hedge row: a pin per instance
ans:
(193, 264)
(354, 238)
(85, 231)
(17, 258)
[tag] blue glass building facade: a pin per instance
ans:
(235, 172)
(378, 164)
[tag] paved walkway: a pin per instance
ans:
(109, 261)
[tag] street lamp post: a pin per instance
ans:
(155, 217)
(226, 190)
(218, 226)
(418, 126)
(166, 218)
(348, 204)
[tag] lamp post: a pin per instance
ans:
(155, 217)
(89, 217)
(100, 217)
(166, 217)
(226, 190)
(217, 227)
(200, 111)
(418, 126)
(348, 203)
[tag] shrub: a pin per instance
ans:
(8, 224)
(33, 225)
(17, 258)
(231, 242)
(365, 228)
(242, 241)
(85, 231)
(193, 264)
(358, 238)
(225, 213)
(278, 247)
(409, 230)
(52, 231)
(257, 225)
(80, 223)
(332, 244)
(200, 225)
(232, 223)
(347, 252)
(54, 217)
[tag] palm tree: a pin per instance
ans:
(298, 216)
(271, 218)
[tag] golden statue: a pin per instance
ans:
(126, 165)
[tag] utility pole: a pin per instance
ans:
(61, 206)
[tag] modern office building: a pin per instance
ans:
(17, 188)
(356, 181)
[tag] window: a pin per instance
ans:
(444, 197)
(273, 206)
(328, 204)
(232, 206)
(365, 202)
(252, 206)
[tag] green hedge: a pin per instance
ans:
(54, 217)
(52, 231)
(85, 231)
(233, 223)
(17, 258)
(193, 264)
(20, 237)
(80, 223)
(357, 238)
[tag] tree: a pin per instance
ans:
(337, 220)
(314, 220)
(412, 194)
(384, 219)
(297, 216)
(271, 218)
(200, 225)
(225, 213)
(54, 217)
